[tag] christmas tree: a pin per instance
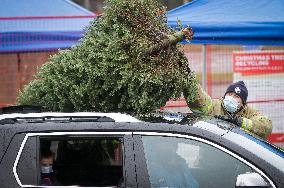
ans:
(128, 61)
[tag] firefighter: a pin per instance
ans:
(233, 107)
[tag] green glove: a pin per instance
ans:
(235, 120)
(242, 122)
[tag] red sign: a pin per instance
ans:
(276, 138)
(262, 62)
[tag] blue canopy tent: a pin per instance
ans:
(250, 22)
(30, 25)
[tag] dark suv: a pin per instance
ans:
(117, 150)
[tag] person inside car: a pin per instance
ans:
(233, 107)
(47, 173)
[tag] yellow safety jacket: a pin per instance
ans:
(252, 120)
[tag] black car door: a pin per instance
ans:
(177, 160)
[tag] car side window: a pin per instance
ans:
(81, 161)
(72, 160)
(182, 162)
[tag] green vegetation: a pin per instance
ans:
(127, 61)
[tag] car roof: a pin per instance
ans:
(48, 121)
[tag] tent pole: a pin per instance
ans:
(204, 67)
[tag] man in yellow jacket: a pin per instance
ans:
(233, 108)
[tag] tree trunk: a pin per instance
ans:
(171, 40)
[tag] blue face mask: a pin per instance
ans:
(46, 169)
(230, 104)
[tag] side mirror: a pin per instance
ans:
(251, 179)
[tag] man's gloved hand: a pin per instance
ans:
(236, 120)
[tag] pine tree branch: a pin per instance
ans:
(186, 33)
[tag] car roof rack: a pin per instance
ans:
(60, 119)
(33, 114)
(24, 109)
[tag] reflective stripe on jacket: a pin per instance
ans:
(253, 121)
